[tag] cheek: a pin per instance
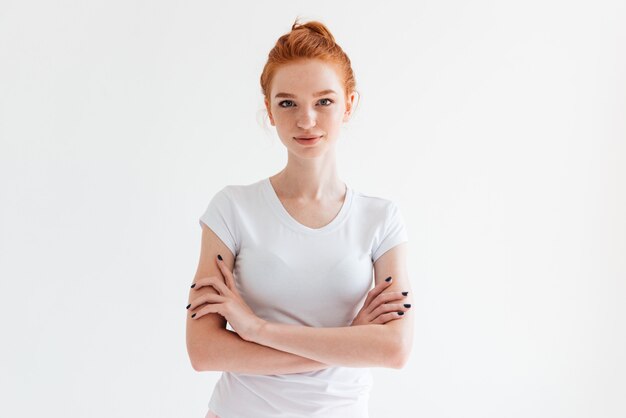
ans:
(332, 115)
(335, 117)
(281, 116)
(338, 111)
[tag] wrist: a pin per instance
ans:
(259, 330)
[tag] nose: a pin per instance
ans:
(306, 119)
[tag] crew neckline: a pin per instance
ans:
(290, 221)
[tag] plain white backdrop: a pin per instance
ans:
(498, 127)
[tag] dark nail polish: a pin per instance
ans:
(400, 313)
(388, 279)
(188, 306)
(193, 285)
(407, 305)
(405, 293)
(193, 316)
(220, 257)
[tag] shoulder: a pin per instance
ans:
(378, 206)
(241, 192)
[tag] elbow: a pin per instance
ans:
(204, 351)
(402, 351)
(197, 365)
(202, 365)
(209, 355)
(206, 361)
(197, 362)
(400, 360)
(201, 360)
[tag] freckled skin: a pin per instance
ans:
(305, 113)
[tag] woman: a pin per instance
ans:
(288, 260)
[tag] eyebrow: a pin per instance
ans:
(319, 93)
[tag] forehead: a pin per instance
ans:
(305, 78)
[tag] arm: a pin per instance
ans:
(211, 346)
(371, 345)
(229, 352)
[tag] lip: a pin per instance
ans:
(308, 140)
(308, 137)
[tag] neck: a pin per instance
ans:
(309, 180)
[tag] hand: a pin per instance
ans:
(377, 310)
(227, 303)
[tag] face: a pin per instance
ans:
(307, 99)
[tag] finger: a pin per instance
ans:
(388, 317)
(377, 290)
(385, 298)
(214, 281)
(207, 309)
(391, 308)
(206, 298)
(202, 281)
(228, 275)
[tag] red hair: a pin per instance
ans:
(309, 40)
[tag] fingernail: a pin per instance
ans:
(405, 293)
(399, 313)
(388, 279)
(193, 285)
(407, 305)
(220, 257)
(190, 305)
(193, 316)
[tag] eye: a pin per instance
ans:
(328, 100)
(290, 102)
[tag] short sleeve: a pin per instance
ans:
(220, 217)
(393, 232)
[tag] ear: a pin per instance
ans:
(269, 112)
(349, 107)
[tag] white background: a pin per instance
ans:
(498, 127)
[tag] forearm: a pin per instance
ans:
(229, 352)
(371, 345)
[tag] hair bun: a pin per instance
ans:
(314, 26)
(311, 40)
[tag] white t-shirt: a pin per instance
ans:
(292, 274)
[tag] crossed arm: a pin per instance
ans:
(371, 345)
(293, 348)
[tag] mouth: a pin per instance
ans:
(308, 140)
